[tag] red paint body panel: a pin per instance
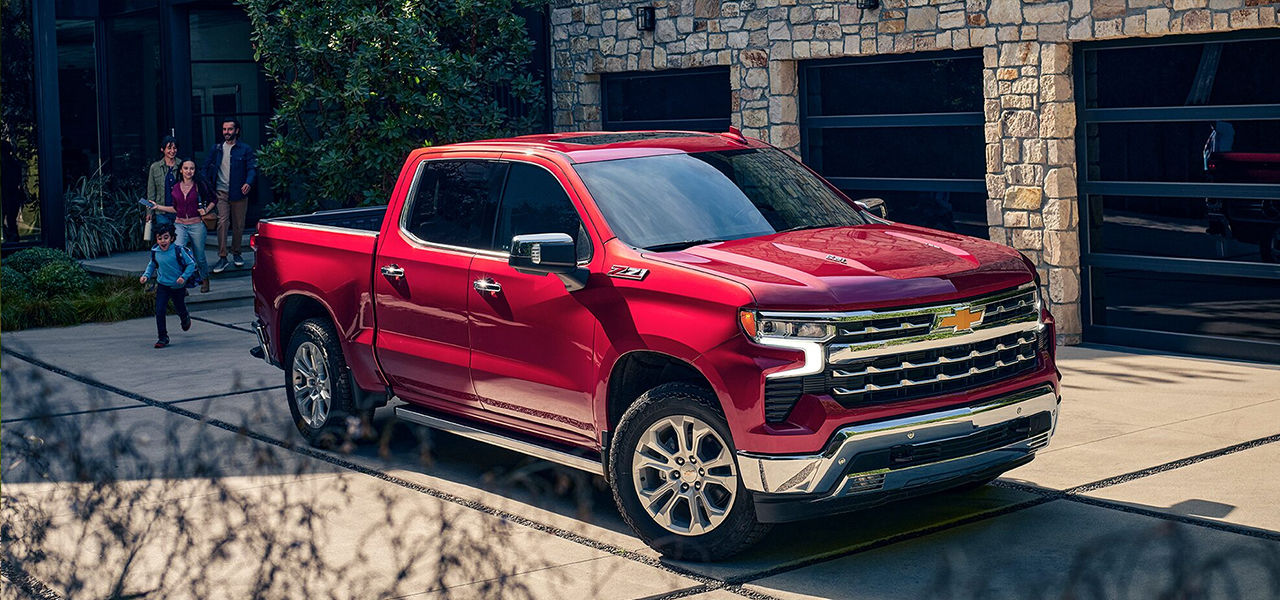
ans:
(329, 267)
(538, 358)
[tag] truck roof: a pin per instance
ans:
(591, 146)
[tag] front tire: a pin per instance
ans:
(675, 476)
(318, 384)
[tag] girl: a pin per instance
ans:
(189, 201)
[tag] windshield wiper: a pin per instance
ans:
(679, 245)
(818, 226)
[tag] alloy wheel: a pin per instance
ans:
(685, 475)
(311, 384)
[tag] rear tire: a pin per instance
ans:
(674, 475)
(318, 386)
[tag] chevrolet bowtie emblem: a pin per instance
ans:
(961, 320)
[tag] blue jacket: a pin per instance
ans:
(244, 168)
(169, 268)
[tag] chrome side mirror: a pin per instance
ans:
(542, 253)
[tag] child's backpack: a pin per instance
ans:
(196, 277)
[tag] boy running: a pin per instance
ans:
(171, 273)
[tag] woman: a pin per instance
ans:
(161, 176)
(189, 200)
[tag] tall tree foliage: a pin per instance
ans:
(359, 83)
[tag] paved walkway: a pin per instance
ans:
(1164, 469)
(231, 284)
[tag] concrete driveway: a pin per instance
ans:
(178, 473)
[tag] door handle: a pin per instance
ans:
(393, 271)
(487, 285)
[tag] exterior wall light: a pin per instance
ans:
(868, 4)
(645, 18)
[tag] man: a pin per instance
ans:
(232, 167)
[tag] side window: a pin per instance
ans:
(454, 202)
(535, 202)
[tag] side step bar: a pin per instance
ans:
(413, 414)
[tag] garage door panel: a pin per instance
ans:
(1180, 206)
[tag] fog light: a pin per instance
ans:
(864, 482)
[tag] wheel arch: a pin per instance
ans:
(641, 370)
(294, 309)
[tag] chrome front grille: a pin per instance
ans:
(869, 333)
(875, 357)
(909, 375)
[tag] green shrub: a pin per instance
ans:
(90, 231)
(60, 279)
(122, 208)
(31, 260)
(363, 83)
(106, 299)
(13, 282)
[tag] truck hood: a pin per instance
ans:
(864, 266)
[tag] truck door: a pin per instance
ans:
(421, 280)
(531, 340)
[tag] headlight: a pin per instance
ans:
(805, 336)
(758, 328)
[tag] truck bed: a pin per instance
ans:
(364, 219)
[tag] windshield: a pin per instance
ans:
(678, 200)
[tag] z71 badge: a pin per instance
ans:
(625, 272)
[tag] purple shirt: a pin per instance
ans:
(187, 205)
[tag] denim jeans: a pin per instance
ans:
(164, 294)
(160, 218)
(195, 234)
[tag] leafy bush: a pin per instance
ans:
(60, 279)
(30, 260)
(90, 232)
(360, 83)
(14, 282)
(107, 299)
(122, 208)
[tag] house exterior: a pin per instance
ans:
(1077, 131)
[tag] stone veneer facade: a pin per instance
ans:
(1029, 100)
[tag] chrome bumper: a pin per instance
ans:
(825, 473)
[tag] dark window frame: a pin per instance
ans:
(811, 123)
(502, 202)
(412, 198)
(706, 124)
(1089, 260)
(491, 250)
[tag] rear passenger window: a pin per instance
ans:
(454, 202)
(535, 202)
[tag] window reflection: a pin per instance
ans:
(19, 171)
(1229, 229)
(1186, 303)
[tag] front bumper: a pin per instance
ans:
(869, 464)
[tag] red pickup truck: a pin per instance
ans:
(699, 318)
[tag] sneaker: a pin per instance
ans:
(162, 343)
(186, 324)
(204, 287)
(237, 260)
(221, 265)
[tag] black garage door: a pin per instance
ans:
(904, 128)
(1179, 153)
(690, 99)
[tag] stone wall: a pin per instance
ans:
(1027, 84)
